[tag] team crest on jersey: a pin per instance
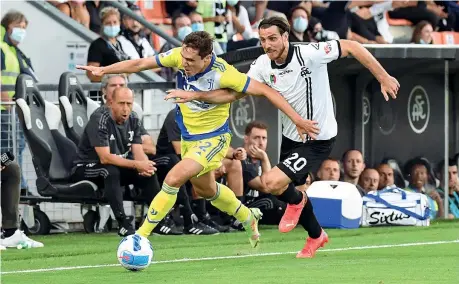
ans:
(327, 48)
(272, 79)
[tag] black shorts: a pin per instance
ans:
(297, 159)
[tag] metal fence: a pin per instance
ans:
(149, 95)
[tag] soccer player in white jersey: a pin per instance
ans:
(299, 73)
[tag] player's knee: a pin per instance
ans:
(173, 180)
(112, 171)
(271, 184)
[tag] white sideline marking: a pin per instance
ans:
(233, 256)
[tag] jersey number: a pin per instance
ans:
(205, 146)
(298, 165)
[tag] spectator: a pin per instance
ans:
(76, 9)
(417, 11)
(132, 39)
(369, 180)
(386, 177)
(363, 24)
(298, 19)
(239, 23)
(329, 170)
(180, 7)
(197, 25)
(214, 15)
(94, 8)
(353, 167)
(106, 50)
(422, 33)
(418, 183)
(14, 62)
(316, 32)
(453, 187)
(12, 236)
(110, 136)
(168, 155)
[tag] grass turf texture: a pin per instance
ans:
(412, 264)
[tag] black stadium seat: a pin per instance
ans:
(52, 153)
(76, 108)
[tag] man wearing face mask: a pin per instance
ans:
(316, 32)
(132, 39)
(14, 62)
(299, 22)
(197, 25)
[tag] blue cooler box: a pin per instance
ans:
(336, 204)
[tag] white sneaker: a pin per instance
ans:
(19, 238)
(2, 247)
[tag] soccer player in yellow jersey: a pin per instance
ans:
(204, 127)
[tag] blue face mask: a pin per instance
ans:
(183, 32)
(232, 2)
(111, 31)
(300, 24)
(421, 41)
(18, 34)
(197, 27)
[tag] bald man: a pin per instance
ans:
(369, 180)
(111, 135)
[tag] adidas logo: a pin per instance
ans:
(123, 231)
(165, 229)
(195, 231)
(112, 137)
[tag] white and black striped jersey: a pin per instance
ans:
(303, 81)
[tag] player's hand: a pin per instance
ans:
(180, 96)
(240, 154)
(308, 127)
(145, 166)
(256, 152)
(389, 86)
(1, 168)
(96, 71)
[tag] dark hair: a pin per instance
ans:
(201, 41)
(417, 31)
(175, 17)
(441, 165)
(255, 124)
(13, 16)
(280, 22)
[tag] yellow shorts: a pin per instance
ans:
(209, 153)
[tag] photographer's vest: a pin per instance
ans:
(12, 68)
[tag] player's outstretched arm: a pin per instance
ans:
(127, 66)
(220, 96)
(303, 126)
(389, 85)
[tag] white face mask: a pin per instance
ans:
(18, 34)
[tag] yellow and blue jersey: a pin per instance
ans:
(198, 120)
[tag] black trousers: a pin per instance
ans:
(113, 181)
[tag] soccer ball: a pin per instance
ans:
(135, 252)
